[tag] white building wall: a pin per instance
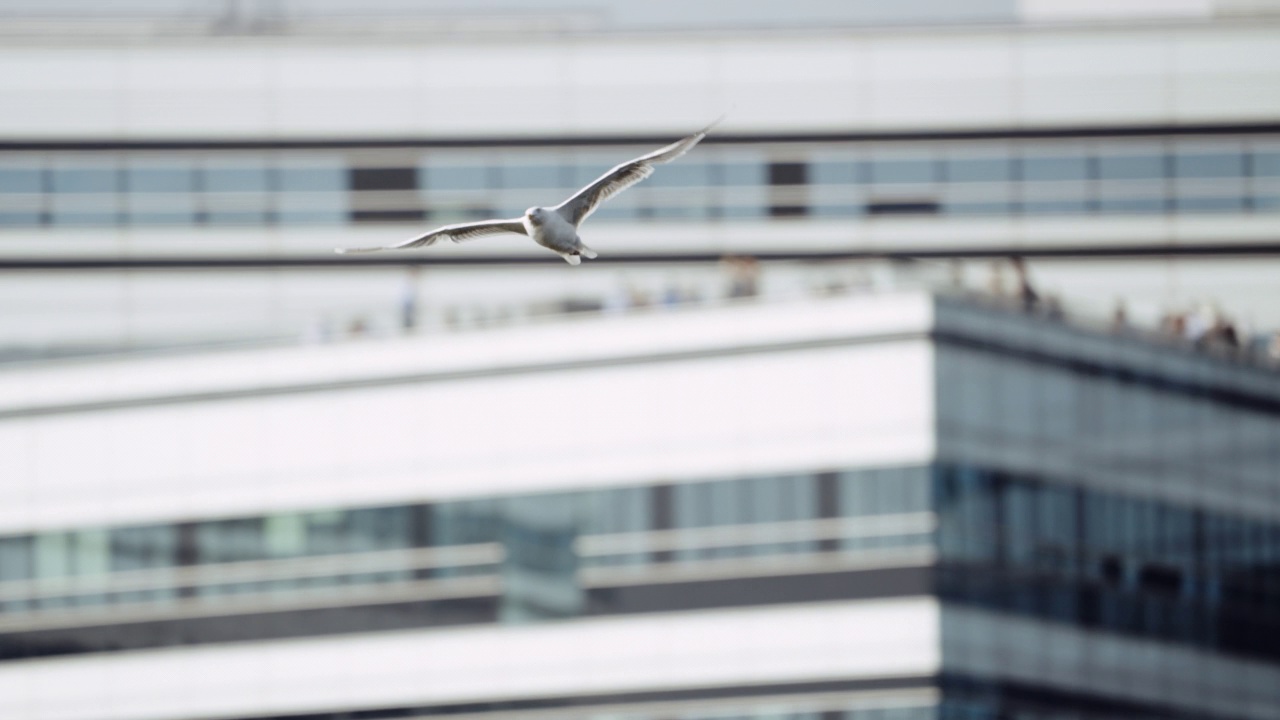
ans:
(874, 80)
(718, 393)
(838, 641)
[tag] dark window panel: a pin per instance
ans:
(788, 173)
(393, 194)
(903, 207)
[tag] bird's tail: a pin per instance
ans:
(587, 252)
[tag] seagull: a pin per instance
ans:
(556, 228)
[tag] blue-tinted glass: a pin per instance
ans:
(1131, 206)
(160, 195)
(1205, 165)
(691, 201)
(246, 179)
(222, 541)
(456, 177)
(85, 195)
(887, 171)
(312, 195)
(20, 179)
(977, 208)
(237, 194)
(1055, 207)
(16, 558)
(143, 547)
(829, 209)
(387, 528)
(1193, 204)
(1266, 164)
(312, 179)
(979, 170)
(535, 176)
(823, 172)
(1054, 168)
(691, 174)
(21, 191)
(741, 173)
(1131, 167)
(85, 180)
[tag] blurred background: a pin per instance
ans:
(939, 381)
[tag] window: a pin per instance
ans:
(160, 193)
(236, 191)
(1055, 184)
(1209, 180)
(384, 194)
(312, 193)
(21, 194)
(85, 193)
(979, 185)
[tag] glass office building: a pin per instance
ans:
(886, 506)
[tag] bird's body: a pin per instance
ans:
(555, 232)
(556, 228)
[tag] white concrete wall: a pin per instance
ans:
(163, 446)
(839, 641)
(843, 81)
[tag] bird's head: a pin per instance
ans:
(535, 215)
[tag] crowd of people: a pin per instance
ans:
(1203, 327)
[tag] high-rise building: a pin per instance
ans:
(889, 506)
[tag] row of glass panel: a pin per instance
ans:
(1133, 177)
(1110, 561)
(432, 543)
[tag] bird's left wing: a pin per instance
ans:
(585, 201)
(457, 233)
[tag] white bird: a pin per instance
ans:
(556, 228)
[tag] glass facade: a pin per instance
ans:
(1110, 562)
(732, 180)
(537, 556)
(1074, 486)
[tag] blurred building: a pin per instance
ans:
(243, 478)
(158, 136)
(890, 506)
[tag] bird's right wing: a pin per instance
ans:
(457, 232)
(585, 201)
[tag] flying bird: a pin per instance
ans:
(556, 228)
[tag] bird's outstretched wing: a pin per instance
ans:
(457, 233)
(585, 201)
